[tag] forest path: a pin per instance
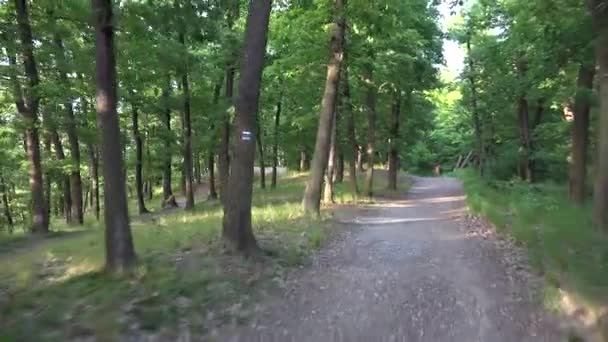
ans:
(410, 269)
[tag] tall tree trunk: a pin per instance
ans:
(197, 168)
(6, 204)
(232, 14)
(275, 145)
(580, 133)
(312, 195)
(48, 177)
(120, 254)
(94, 160)
(360, 156)
(479, 146)
(600, 21)
(224, 150)
(75, 178)
(211, 153)
(168, 198)
(212, 189)
(393, 154)
(52, 138)
(139, 155)
(260, 144)
(371, 127)
(66, 181)
(28, 101)
(339, 174)
(328, 193)
(304, 161)
(189, 189)
(526, 165)
(351, 134)
(237, 231)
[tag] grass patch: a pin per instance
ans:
(55, 289)
(560, 238)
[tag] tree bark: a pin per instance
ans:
(28, 101)
(580, 133)
(120, 254)
(189, 189)
(232, 14)
(339, 175)
(139, 155)
(393, 154)
(52, 138)
(312, 195)
(168, 197)
(237, 230)
(75, 177)
(352, 137)
(600, 23)
(275, 145)
(371, 127)
(479, 146)
(328, 193)
(6, 204)
(66, 179)
(94, 160)
(304, 161)
(211, 153)
(261, 153)
(224, 150)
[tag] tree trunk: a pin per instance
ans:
(168, 197)
(393, 154)
(28, 101)
(7, 207)
(526, 168)
(479, 146)
(75, 178)
(197, 168)
(237, 231)
(360, 166)
(328, 193)
(189, 189)
(600, 20)
(139, 155)
(312, 195)
(120, 254)
(371, 128)
(212, 189)
(224, 150)
(66, 179)
(275, 145)
(261, 153)
(94, 160)
(339, 175)
(580, 133)
(304, 162)
(352, 137)
(211, 153)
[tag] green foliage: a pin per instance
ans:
(558, 236)
(182, 273)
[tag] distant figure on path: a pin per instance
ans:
(437, 170)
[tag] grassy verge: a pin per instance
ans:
(560, 239)
(56, 290)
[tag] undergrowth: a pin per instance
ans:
(560, 238)
(55, 288)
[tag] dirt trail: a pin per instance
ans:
(405, 270)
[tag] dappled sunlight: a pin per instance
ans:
(386, 220)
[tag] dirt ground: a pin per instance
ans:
(409, 269)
